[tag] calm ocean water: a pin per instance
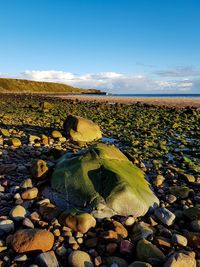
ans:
(159, 95)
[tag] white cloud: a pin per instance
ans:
(113, 82)
(182, 71)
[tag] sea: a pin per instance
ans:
(152, 95)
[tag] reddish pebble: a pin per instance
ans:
(126, 247)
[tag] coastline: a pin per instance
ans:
(158, 101)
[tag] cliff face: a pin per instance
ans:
(26, 86)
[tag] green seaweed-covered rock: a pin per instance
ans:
(81, 130)
(103, 181)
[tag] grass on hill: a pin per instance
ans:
(8, 85)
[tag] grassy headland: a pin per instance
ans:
(8, 85)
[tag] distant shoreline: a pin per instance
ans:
(158, 101)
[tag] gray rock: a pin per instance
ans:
(141, 230)
(145, 251)
(165, 216)
(116, 260)
(47, 259)
(7, 226)
(195, 225)
(139, 264)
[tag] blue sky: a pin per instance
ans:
(123, 46)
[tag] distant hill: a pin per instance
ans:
(8, 85)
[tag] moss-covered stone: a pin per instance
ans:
(81, 130)
(104, 181)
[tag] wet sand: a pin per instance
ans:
(171, 102)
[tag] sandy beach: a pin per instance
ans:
(171, 102)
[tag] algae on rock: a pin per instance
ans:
(103, 181)
(81, 130)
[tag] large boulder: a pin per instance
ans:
(81, 130)
(103, 181)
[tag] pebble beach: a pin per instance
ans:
(158, 136)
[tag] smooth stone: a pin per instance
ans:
(141, 230)
(3, 249)
(158, 180)
(7, 226)
(49, 211)
(165, 216)
(21, 258)
(116, 260)
(145, 250)
(56, 134)
(18, 213)
(79, 222)
(139, 264)
(192, 213)
(171, 198)
(179, 239)
(195, 225)
(102, 174)
(193, 239)
(5, 132)
(15, 142)
(126, 247)
(30, 194)
(188, 177)
(33, 138)
(120, 229)
(28, 223)
(81, 130)
(130, 221)
(79, 259)
(179, 259)
(27, 183)
(61, 251)
(28, 240)
(39, 169)
(180, 191)
(47, 259)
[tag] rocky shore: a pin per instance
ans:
(162, 143)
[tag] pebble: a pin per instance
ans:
(195, 225)
(139, 264)
(27, 183)
(165, 216)
(120, 229)
(28, 223)
(47, 259)
(117, 261)
(126, 247)
(79, 259)
(21, 258)
(145, 250)
(7, 226)
(130, 221)
(180, 260)
(61, 251)
(30, 194)
(111, 248)
(18, 213)
(28, 240)
(158, 180)
(179, 240)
